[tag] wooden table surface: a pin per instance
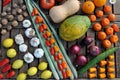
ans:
(90, 32)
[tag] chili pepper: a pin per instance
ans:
(10, 74)
(6, 68)
(38, 19)
(56, 48)
(48, 43)
(45, 36)
(1, 76)
(60, 55)
(56, 58)
(48, 33)
(35, 12)
(68, 73)
(52, 41)
(64, 64)
(6, 2)
(44, 26)
(52, 51)
(41, 28)
(60, 66)
(64, 74)
(4, 62)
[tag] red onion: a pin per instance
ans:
(87, 40)
(75, 49)
(81, 60)
(94, 50)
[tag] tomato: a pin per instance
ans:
(1, 76)
(47, 4)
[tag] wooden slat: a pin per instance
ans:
(117, 7)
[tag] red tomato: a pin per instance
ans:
(1, 76)
(47, 4)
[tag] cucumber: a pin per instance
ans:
(97, 59)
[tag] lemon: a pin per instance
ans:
(17, 64)
(11, 53)
(32, 71)
(42, 66)
(46, 74)
(8, 42)
(21, 76)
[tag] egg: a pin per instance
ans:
(38, 53)
(26, 23)
(28, 58)
(34, 42)
(19, 39)
(23, 48)
(30, 32)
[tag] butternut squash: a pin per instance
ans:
(61, 12)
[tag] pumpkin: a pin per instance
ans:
(99, 3)
(74, 27)
(88, 7)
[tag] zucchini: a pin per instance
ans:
(97, 59)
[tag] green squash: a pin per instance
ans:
(74, 27)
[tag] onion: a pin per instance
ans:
(94, 50)
(87, 40)
(81, 60)
(75, 49)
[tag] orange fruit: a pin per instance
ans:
(88, 7)
(111, 17)
(105, 22)
(99, 3)
(109, 30)
(106, 43)
(99, 13)
(101, 35)
(114, 38)
(92, 18)
(97, 27)
(115, 27)
(107, 9)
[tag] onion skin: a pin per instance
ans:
(81, 60)
(75, 49)
(94, 50)
(87, 40)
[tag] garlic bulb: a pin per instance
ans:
(34, 42)
(28, 58)
(26, 23)
(23, 48)
(30, 32)
(19, 39)
(38, 53)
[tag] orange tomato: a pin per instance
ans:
(107, 9)
(114, 38)
(106, 43)
(101, 35)
(115, 27)
(105, 22)
(99, 13)
(112, 17)
(109, 30)
(97, 27)
(92, 18)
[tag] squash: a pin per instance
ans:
(61, 12)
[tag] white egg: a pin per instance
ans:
(26, 23)
(38, 53)
(28, 58)
(34, 42)
(19, 39)
(30, 32)
(23, 48)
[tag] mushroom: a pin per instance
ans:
(3, 14)
(26, 23)
(8, 9)
(34, 42)
(38, 53)
(3, 31)
(0, 25)
(28, 58)
(19, 11)
(15, 5)
(19, 39)
(9, 27)
(14, 12)
(23, 48)
(14, 23)
(30, 32)
(24, 7)
(4, 22)
(25, 14)
(21, 1)
(10, 17)
(20, 18)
